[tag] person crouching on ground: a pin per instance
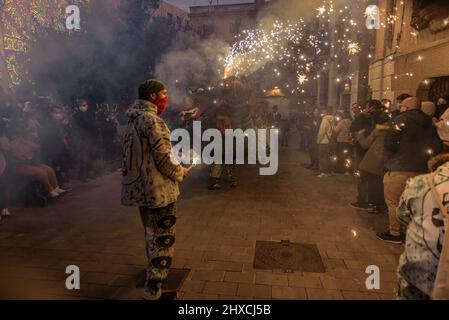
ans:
(150, 180)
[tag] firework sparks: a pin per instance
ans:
(287, 44)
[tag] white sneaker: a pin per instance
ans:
(322, 175)
(60, 191)
(5, 212)
(54, 194)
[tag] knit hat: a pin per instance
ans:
(149, 87)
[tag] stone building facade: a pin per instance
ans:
(225, 21)
(412, 51)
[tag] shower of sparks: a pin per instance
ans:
(321, 10)
(287, 46)
(302, 79)
(353, 48)
(279, 44)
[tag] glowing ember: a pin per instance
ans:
(353, 48)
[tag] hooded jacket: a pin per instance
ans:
(410, 142)
(326, 130)
(150, 172)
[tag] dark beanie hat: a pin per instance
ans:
(149, 87)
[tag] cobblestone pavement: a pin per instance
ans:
(216, 237)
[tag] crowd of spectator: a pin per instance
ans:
(399, 155)
(43, 146)
(397, 152)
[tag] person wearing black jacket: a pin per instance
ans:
(55, 145)
(107, 123)
(411, 141)
(85, 132)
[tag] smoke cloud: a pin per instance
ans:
(191, 62)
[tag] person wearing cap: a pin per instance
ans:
(150, 180)
(410, 142)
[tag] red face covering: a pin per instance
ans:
(161, 104)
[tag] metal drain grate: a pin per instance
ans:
(174, 281)
(288, 256)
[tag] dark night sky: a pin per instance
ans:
(185, 4)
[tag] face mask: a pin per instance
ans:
(161, 104)
(58, 116)
(83, 109)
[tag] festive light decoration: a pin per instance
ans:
(353, 48)
(20, 20)
(302, 79)
(296, 46)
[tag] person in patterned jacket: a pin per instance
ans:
(150, 180)
(419, 210)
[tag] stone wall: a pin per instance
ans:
(408, 59)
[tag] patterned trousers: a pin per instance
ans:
(159, 224)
